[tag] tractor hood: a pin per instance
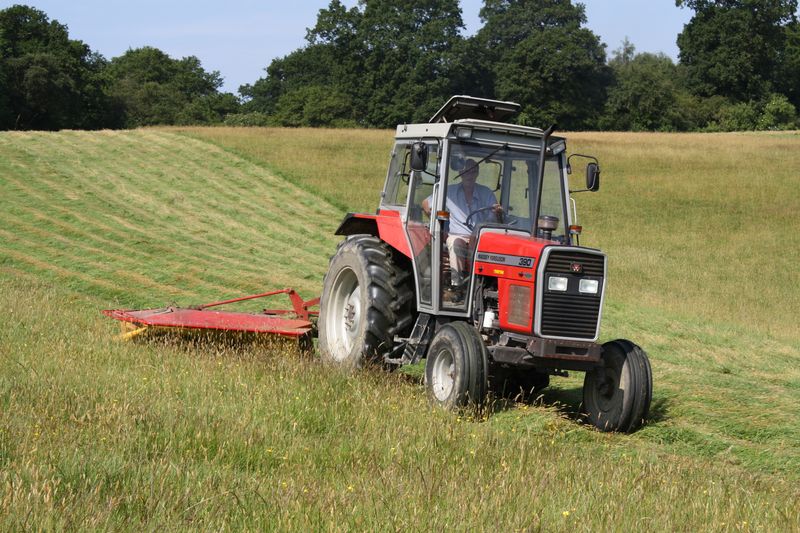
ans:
(509, 254)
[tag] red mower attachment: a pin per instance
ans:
(296, 322)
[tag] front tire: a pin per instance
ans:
(456, 369)
(616, 395)
(366, 301)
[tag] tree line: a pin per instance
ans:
(383, 62)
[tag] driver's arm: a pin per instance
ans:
(490, 200)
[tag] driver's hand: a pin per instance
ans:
(497, 209)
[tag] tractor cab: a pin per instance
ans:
(454, 181)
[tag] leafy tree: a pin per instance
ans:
(775, 112)
(472, 70)
(645, 93)
(376, 64)
(313, 106)
(307, 67)
(6, 111)
(778, 114)
(332, 62)
(152, 88)
(740, 116)
(409, 58)
(248, 119)
(543, 58)
(48, 80)
(788, 72)
(733, 48)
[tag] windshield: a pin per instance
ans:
(495, 185)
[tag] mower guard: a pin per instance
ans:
(295, 322)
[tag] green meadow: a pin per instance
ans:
(205, 433)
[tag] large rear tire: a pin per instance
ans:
(456, 370)
(366, 300)
(616, 395)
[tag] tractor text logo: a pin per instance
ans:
(576, 268)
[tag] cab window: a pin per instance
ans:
(396, 191)
(552, 197)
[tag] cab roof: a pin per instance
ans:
(466, 107)
(480, 114)
(444, 129)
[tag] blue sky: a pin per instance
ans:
(239, 38)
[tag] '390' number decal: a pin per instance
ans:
(502, 259)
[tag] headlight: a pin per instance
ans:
(556, 283)
(589, 286)
(519, 308)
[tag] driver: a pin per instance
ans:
(463, 199)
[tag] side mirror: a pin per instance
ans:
(419, 156)
(592, 177)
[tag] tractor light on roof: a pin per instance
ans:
(557, 283)
(464, 133)
(558, 147)
(589, 286)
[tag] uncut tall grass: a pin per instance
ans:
(173, 432)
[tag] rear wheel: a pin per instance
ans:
(616, 395)
(366, 300)
(456, 370)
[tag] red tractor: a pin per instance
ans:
(473, 262)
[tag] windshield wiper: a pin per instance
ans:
(504, 147)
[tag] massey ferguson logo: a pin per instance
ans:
(576, 268)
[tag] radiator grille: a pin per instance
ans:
(571, 314)
(560, 262)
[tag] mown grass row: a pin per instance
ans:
(148, 217)
(178, 434)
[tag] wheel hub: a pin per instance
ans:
(606, 387)
(349, 315)
(443, 376)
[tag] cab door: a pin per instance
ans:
(420, 227)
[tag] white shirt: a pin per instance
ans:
(460, 209)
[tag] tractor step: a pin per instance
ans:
(416, 345)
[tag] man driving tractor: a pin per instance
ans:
(466, 200)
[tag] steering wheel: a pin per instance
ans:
(470, 225)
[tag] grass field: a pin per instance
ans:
(702, 234)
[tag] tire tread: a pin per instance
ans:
(390, 294)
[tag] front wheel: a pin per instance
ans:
(456, 370)
(616, 395)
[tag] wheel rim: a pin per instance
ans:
(443, 375)
(343, 320)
